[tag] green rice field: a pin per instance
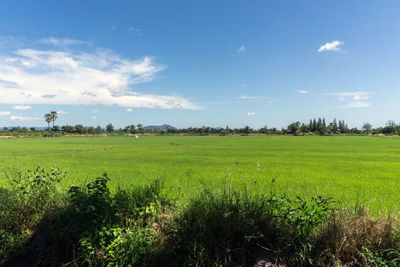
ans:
(349, 169)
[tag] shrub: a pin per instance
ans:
(30, 195)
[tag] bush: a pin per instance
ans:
(29, 196)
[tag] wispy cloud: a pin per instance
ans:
(77, 78)
(5, 113)
(241, 49)
(252, 97)
(63, 112)
(129, 110)
(21, 108)
(135, 29)
(332, 46)
(251, 113)
(94, 118)
(62, 41)
(20, 118)
(352, 99)
(342, 96)
(356, 104)
(304, 92)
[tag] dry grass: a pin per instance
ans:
(346, 237)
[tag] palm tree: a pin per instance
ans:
(54, 116)
(48, 119)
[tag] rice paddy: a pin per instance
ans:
(350, 169)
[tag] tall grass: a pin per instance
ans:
(43, 225)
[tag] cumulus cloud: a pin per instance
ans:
(129, 110)
(332, 46)
(251, 113)
(5, 113)
(303, 92)
(32, 76)
(19, 108)
(241, 49)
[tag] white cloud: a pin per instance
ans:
(5, 113)
(251, 97)
(241, 49)
(303, 92)
(129, 110)
(352, 99)
(332, 46)
(251, 113)
(20, 118)
(356, 104)
(62, 41)
(64, 112)
(94, 118)
(20, 108)
(101, 77)
(352, 95)
(134, 29)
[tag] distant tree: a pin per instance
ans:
(54, 116)
(80, 129)
(132, 129)
(314, 125)
(126, 129)
(334, 127)
(246, 130)
(293, 128)
(109, 128)
(48, 119)
(304, 128)
(140, 128)
(67, 129)
(98, 130)
(390, 128)
(91, 130)
(32, 129)
(367, 127)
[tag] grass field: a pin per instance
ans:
(345, 168)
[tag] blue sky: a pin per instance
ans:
(195, 63)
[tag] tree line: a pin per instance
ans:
(313, 127)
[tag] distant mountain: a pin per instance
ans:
(163, 127)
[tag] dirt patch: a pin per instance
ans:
(86, 135)
(11, 137)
